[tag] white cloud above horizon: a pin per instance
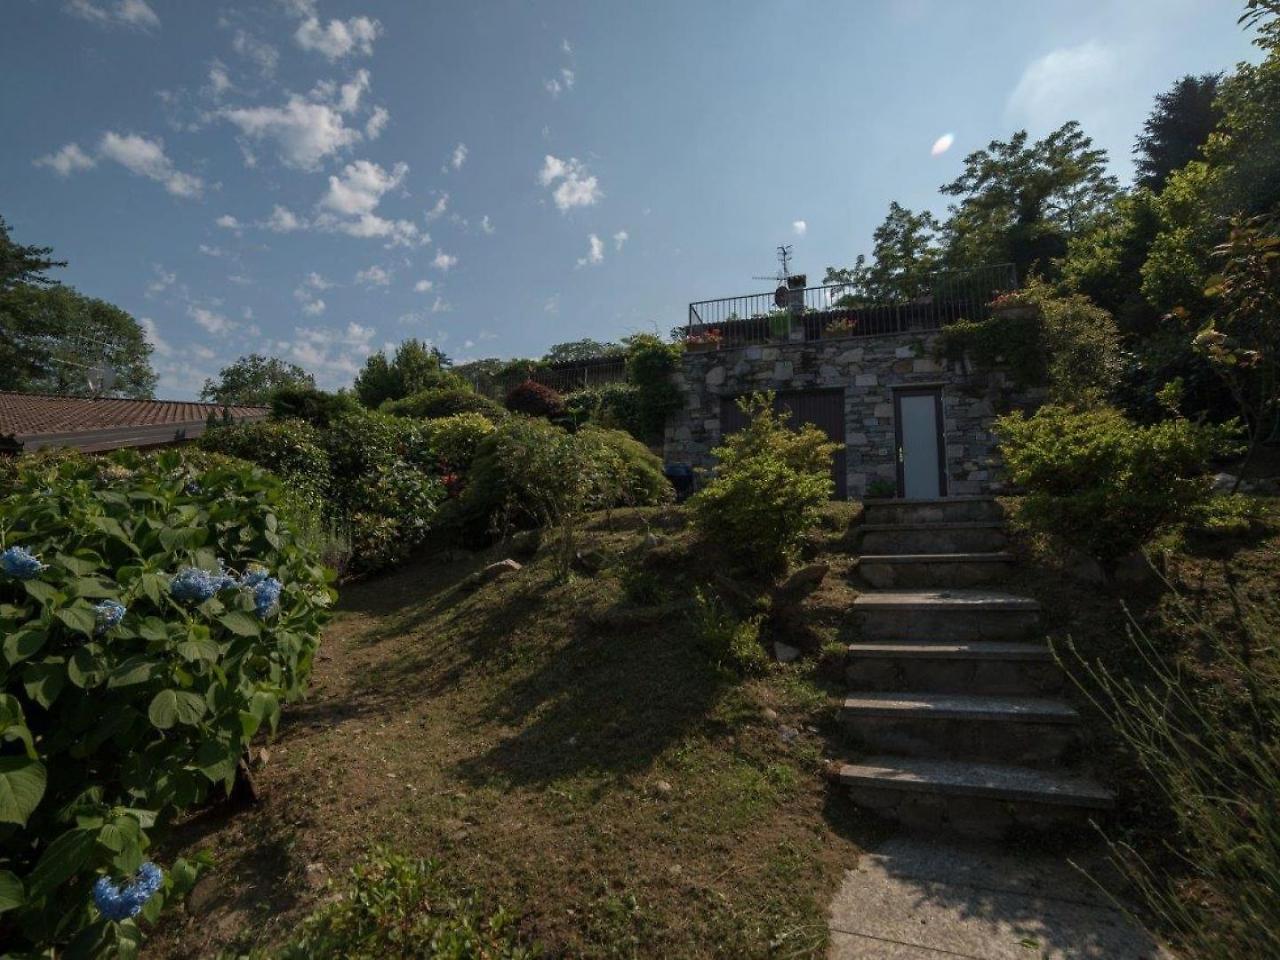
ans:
(1070, 83)
(574, 185)
(130, 13)
(147, 158)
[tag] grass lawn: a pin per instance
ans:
(566, 750)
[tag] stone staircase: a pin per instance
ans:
(956, 709)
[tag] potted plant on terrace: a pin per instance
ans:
(704, 340)
(1013, 305)
(840, 327)
(779, 324)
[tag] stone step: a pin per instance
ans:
(896, 570)
(946, 510)
(966, 536)
(975, 799)
(981, 667)
(939, 615)
(1031, 731)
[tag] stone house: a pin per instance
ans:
(910, 422)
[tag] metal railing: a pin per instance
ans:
(563, 377)
(837, 310)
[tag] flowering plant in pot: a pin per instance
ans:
(840, 327)
(706, 340)
(1015, 304)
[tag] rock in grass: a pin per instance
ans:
(525, 543)
(493, 571)
(784, 652)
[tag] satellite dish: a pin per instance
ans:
(101, 377)
(781, 297)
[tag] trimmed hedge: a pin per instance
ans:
(291, 449)
(434, 404)
(316, 407)
(454, 439)
(156, 612)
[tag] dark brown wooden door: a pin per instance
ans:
(822, 408)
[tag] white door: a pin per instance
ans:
(920, 441)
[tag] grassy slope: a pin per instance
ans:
(524, 735)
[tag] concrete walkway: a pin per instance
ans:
(926, 898)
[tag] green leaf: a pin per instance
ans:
(24, 643)
(39, 590)
(22, 782)
(153, 628)
(43, 681)
(80, 566)
(94, 588)
(80, 617)
(240, 623)
(13, 723)
(198, 650)
(111, 527)
(62, 859)
(85, 669)
(216, 761)
(130, 672)
(175, 706)
(12, 895)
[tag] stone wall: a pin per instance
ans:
(868, 369)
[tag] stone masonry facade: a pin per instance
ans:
(867, 369)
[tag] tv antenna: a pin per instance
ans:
(784, 258)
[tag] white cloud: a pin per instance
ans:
(334, 355)
(147, 159)
(620, 238)
(575, 187)
(210, 321)
(552, 304)
(66, 160)
(423, 286)
(567, 47)
(444, 261)
(164, 279)
(376, 123)
(561, 84)
(306, 294)
(361, 186)
(228, 222)
(131, 13)
(1069, 83)
(485, 225)
(159, 346)
(459, 156)
(339, 38)
(799, 227)
(441, 306)
(942, 144)
(438, 211)
(282, 220)
(209, 251)
(259, 52)
(595, 251)
(374, 276)
(219, 79)
(349, 93)
(305, 132)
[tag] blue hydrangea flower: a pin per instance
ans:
(109, 614)
(121, 901)
(253, 575)
(197, 586)
(19, 562)
(192, 489)
(265, 596)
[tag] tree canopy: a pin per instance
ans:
(585, 349)
(415, 366)
(1177, 129)
(254, 379)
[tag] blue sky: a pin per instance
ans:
(316, 179)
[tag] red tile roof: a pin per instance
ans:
(105, 423)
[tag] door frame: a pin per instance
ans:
(919, 391)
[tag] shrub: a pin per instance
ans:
(730, 643)
(1104, 484)
(316, 407)
(454, 439)
(291, 449)
(615, 405)
(437, 403)
(768, 489)
(385, 489)
(650, 365)
(1217, 772)
(536, 400)
(625, 473)
(529, 473)
(395, 908)
(164, 615)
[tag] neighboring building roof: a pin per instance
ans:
(107, 423)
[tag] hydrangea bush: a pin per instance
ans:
(155, 611)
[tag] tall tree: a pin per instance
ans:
(21, 264)
(575, 351)
(905, 253)
(1177, 129)
(416, 366)
(253, 380)
(1022, 202)
(54, 337)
